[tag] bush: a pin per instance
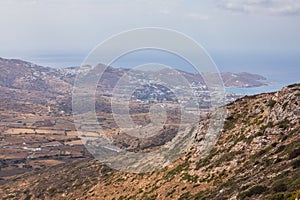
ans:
(177, 170)
(295, 153)
(271, 103)
(185, 196)
(199, 195)
(279, 149)
(190, 178)
(261, 153)
(284, 124)
(171, 192)
(294, 85)
(296, 164)
(229, 123)
(255, 190)
(28, 197)
(279, 187)
(278, 196)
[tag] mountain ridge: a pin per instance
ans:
(27, 75)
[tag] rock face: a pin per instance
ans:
(257, 156)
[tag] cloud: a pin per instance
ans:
(265, 7)
(34, 27)
(197, 16)
(165, 12)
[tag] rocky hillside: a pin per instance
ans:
(27, 87)
(257, 156)
(20, 74)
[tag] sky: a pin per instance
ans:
(240, 35)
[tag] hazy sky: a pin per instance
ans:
(259, 32)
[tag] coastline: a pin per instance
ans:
(270, 87)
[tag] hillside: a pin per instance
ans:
(18, 74)
(21, 74)
(257, 156)
(27, 87)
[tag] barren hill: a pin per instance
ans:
(257, 156)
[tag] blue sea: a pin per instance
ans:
(256, 90)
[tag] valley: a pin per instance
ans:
(43, 156)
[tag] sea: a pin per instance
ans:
(272, 87)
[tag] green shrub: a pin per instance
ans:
(190, 178)
(278, 196)
(199, 195)
(271, 103)
(185, 196)
(285, 105)
(206, 160)
(52, 191)
(9, 197)
(294, 85)
(292, 195)
(121, 197)
(171, 192)
(262, 152)
(229, 123)
(279, 187)
(255, 190)
(177, 170)
(295, 153)
(296, 164)
(284, 124)
(269, 125)
(280, 149)
(28, 197)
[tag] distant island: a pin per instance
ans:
(20, 74)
